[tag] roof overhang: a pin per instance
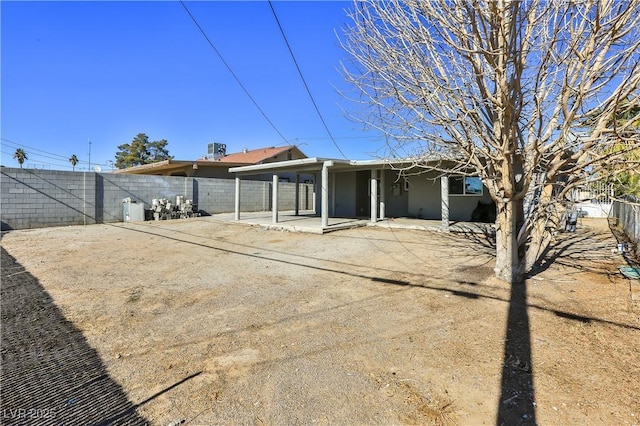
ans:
(172, 165)
(154, 167)
(308, 165)
(312, 165)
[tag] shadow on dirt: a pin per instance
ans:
(50, 374)
(517, 399)
(570, 248)
(517, 395)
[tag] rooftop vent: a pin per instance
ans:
(216, 150)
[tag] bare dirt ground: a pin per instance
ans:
(200, 322)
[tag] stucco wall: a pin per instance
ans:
(345, 194)
(461, 206)
(395, 195)
(424, 197)
(425, 200)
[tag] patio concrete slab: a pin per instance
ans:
(436, 225)
(307, 221)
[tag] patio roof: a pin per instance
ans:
(301, 165)
(321, 166)
(315, 164)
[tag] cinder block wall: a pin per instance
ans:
(39, 198)
(33, 198)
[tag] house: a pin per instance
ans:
(376, 189)
(217, 166)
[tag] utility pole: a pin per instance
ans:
(89, 154)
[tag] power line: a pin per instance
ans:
(305, 82)
(31, 159)
(40, 153)
(231, 71)
(372, 138)
(20, 145)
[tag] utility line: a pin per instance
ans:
(38, 152)
(231, 71)
(372, 138)
(20, 145)
(36, 160)
(305, 82)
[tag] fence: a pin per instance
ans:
(627, 216)
(594, 199)
(595, 192)
(36, 198)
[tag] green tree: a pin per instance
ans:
(625, 127)
(73, 160)
(20, 156)
(141, 151)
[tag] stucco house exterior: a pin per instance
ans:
(376, 189)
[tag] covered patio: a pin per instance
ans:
(326, 172)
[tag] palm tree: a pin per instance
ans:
(21, 156)
(73, 160)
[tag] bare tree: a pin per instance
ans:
(504, 90)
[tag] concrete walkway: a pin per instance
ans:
(307, 221)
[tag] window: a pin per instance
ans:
(465, 185)
(456, 185)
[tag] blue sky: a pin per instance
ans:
(106, 71)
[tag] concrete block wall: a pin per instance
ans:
(39, 198)
(31, 198)
(287, 196)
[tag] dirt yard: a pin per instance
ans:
(200, 322)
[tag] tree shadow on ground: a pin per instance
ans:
(50, 374)
(516, 405)
(517, 396)
(569, 248)
(631, 253)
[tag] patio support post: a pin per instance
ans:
(332, 211)
(444, 195)
(316, 192)
(325, 193)
(237, 199)
(382, 205)
(374, 196)
(274, 202)
(297, 194)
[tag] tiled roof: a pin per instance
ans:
(255, 156)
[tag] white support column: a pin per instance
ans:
(237, 200)
(374, 196)
(332, 211)
(382, 194)
(274, 200)
(444, 195)
(325, 193)
(316, 193)
(297, 208)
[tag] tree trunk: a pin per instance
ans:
(541, 237)
(540, 240)
(508, 266)
(545, 221)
